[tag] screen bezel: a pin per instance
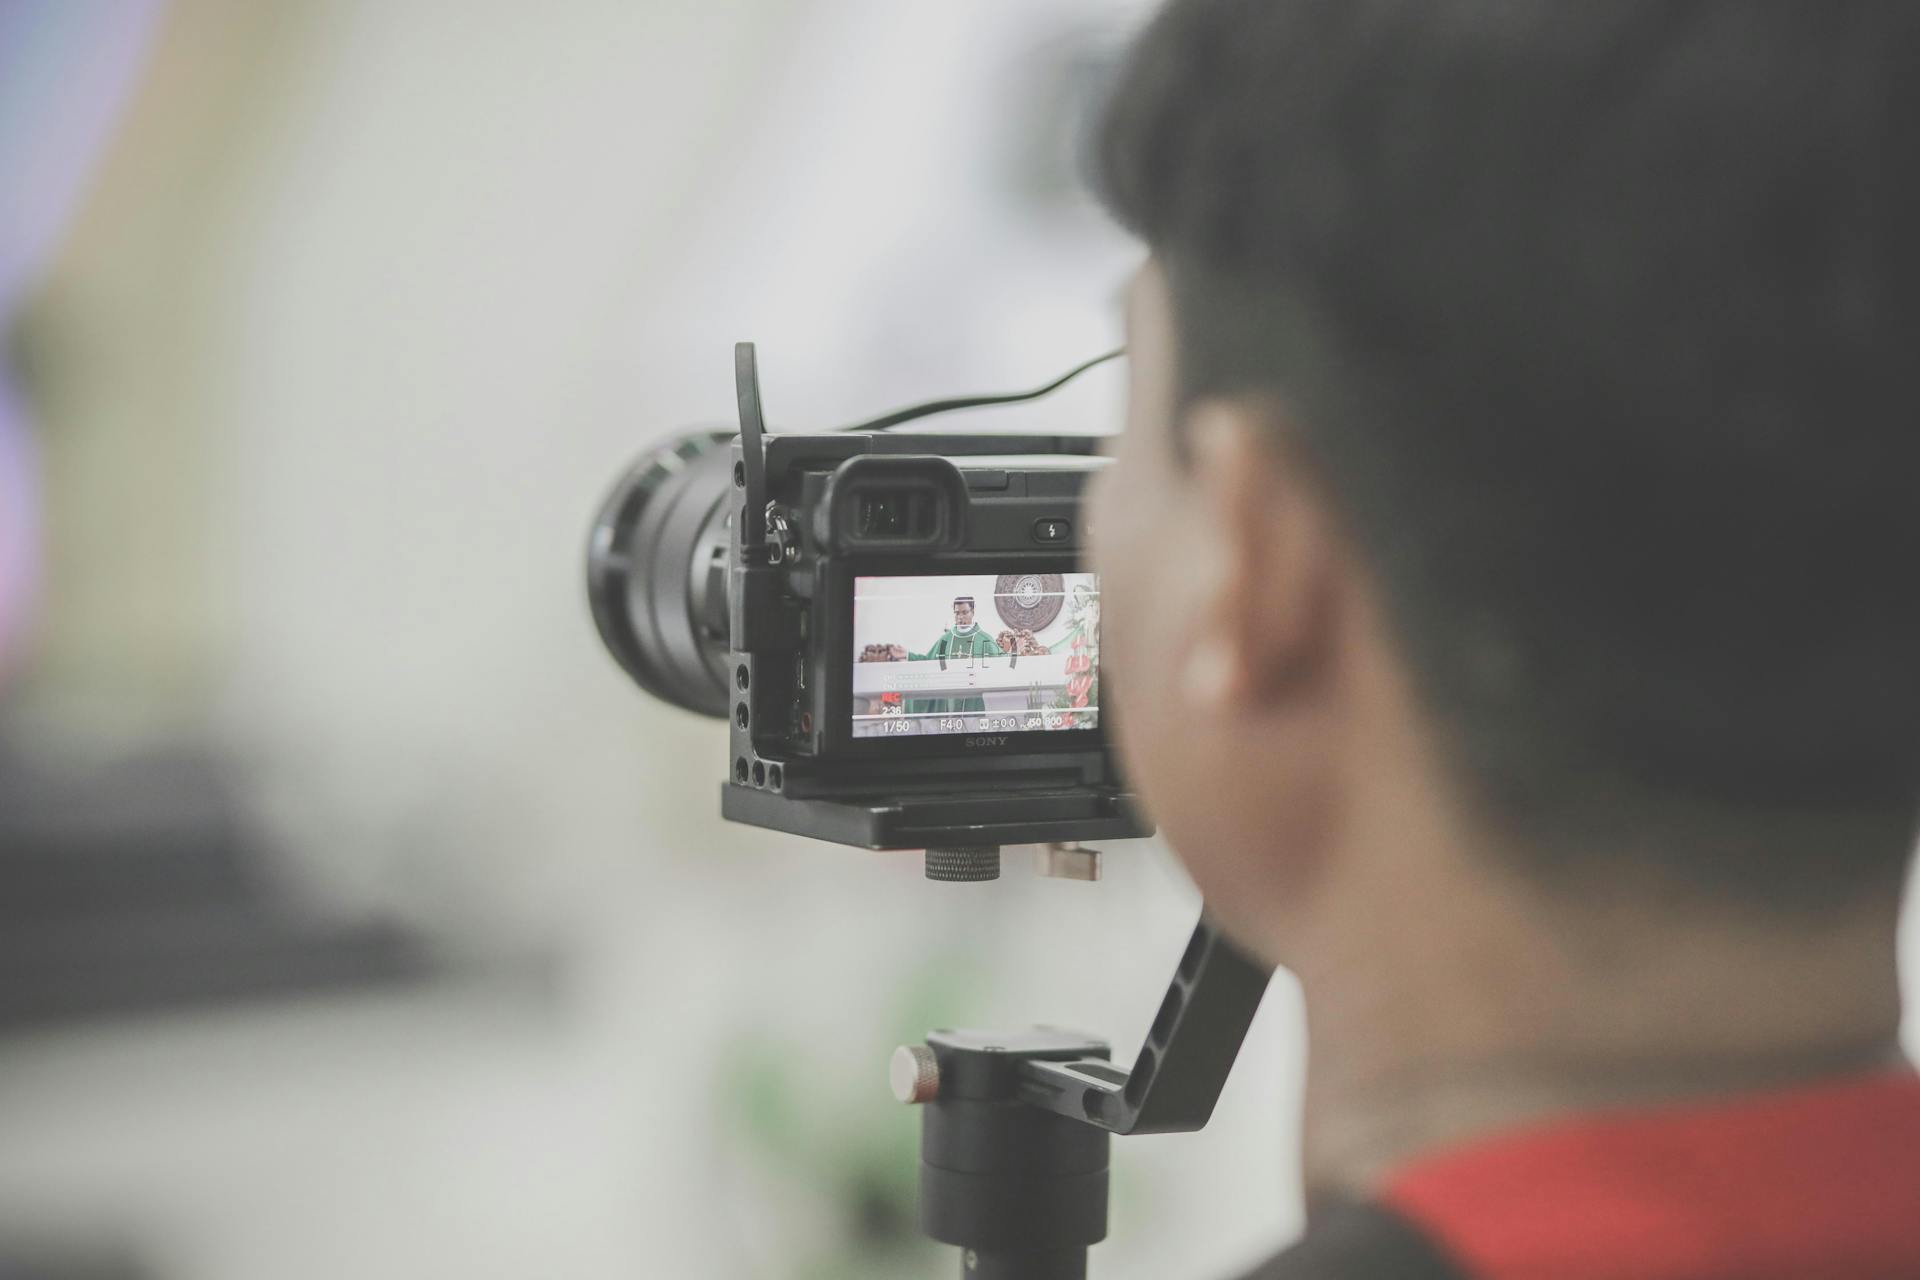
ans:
(837, 638)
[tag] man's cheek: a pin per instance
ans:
(1116, 535)
(1123, 624)
(1109, 530)
(1099, 502)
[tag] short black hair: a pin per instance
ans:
(1600, 323)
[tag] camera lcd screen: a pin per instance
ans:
(975, 653)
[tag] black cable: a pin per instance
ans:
(889, 420)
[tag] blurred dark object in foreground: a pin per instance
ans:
(133, 887)
(54, 1264)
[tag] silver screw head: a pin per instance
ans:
(914, 1074)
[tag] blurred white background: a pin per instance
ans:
(359, 309)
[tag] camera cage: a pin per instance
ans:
(790, 577)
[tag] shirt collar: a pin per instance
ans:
(1816, 1181)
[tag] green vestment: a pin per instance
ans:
(954, 647)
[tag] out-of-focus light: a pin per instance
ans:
(19, 524)
(66, 74)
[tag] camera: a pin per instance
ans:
(898, 628)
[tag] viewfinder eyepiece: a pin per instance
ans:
(884, 504)
(899, 513)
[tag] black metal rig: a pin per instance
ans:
(1016, 1125)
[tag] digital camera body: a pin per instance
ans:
(997, 741)
(898, 627)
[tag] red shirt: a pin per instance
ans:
(1817, 1183)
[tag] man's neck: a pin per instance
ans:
(1418, 1047)
(1454, 991)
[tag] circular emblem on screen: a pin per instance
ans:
(1029, 601)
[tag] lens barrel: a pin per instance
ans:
(657, 570)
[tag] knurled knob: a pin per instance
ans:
(914, 1074)
(969, 864)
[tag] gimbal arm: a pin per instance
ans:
(1180, 1070)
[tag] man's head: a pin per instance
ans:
(1526, 401)
(963, 611)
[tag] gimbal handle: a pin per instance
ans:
(1016, 1128)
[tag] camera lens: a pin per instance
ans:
(657, 571)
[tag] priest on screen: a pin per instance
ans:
(964, 642)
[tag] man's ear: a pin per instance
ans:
(1267, 584)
